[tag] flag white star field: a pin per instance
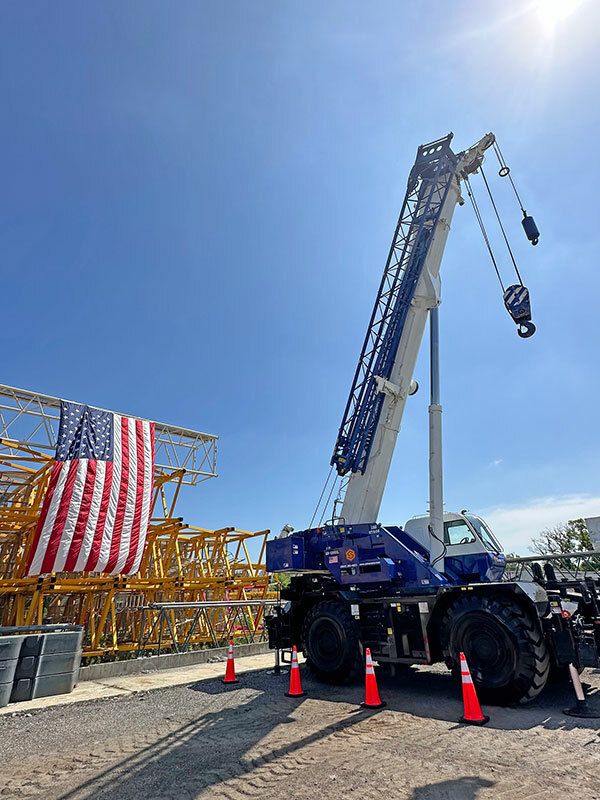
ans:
(96, 510)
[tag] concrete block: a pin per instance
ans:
(137, 666)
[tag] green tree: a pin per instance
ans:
(281, 581)
(570, 537)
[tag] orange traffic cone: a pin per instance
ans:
(230, 671)
(295, 685)
(372, 699)
(472, 715)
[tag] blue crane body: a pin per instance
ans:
(433, 588)
(377, 557)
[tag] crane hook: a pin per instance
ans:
(526, 329)
(518, 305)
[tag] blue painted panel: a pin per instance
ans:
(286, 554)
(355, 555)
(475, 567)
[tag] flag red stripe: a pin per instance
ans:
(152, 427)
(147, 504)
(54, 473)
(82, 519)
(139, 496)
(122, 501)
(87, 499)
(99, 532)
(61, 516)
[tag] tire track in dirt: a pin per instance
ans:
(236, 747)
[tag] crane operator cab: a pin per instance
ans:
(471, 551)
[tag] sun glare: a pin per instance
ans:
(552, 12)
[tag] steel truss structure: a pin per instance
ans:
(31, 419)
(181, 564)
(428, 186)
(167, 617)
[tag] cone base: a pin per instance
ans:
(466, 721)
(584, 713)
(296, 694)
(373, 705)
(235, 680)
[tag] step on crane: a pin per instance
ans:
(434, 588)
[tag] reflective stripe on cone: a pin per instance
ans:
(295, 684)
(230, 671)
(372, 699)
(472, 711)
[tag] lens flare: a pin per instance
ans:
(552, 12)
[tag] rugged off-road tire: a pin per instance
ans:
(504, 646)
(331, 643)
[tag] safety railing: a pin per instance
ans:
(177, 626)
(577, 565)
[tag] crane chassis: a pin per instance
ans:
(435, 588)
(361, 586)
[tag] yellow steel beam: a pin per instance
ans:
(182, 563)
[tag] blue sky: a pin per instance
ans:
(197, 203)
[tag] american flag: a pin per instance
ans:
(97, 507)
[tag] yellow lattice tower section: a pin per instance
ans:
(181, 563)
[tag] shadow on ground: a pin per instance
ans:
(219, 746)
(221, 739)
(434, 693)
(459, 789)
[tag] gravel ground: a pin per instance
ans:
(206, 740)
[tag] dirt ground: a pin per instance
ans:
(206, 740)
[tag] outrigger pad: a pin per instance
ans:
(582, 710)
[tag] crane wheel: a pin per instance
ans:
(503, 644)
(331, 642)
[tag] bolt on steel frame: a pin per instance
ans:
(182, 563)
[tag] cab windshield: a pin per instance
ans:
(456, 531)
(485, 534)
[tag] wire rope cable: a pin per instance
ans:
(504, 172)
(489, 191)
(323, 490)
(326, 506)
(483, 230)
(344, 481)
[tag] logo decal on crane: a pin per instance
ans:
(350, 554)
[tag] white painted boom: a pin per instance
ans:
(365, 491)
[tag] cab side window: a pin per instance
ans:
(457, 532)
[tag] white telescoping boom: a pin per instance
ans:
(367, 437)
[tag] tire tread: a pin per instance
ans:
(534, 659)
(353, 666)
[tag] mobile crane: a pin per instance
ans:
(424, 592)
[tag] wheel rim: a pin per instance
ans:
(326, 644)
(489, 647)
